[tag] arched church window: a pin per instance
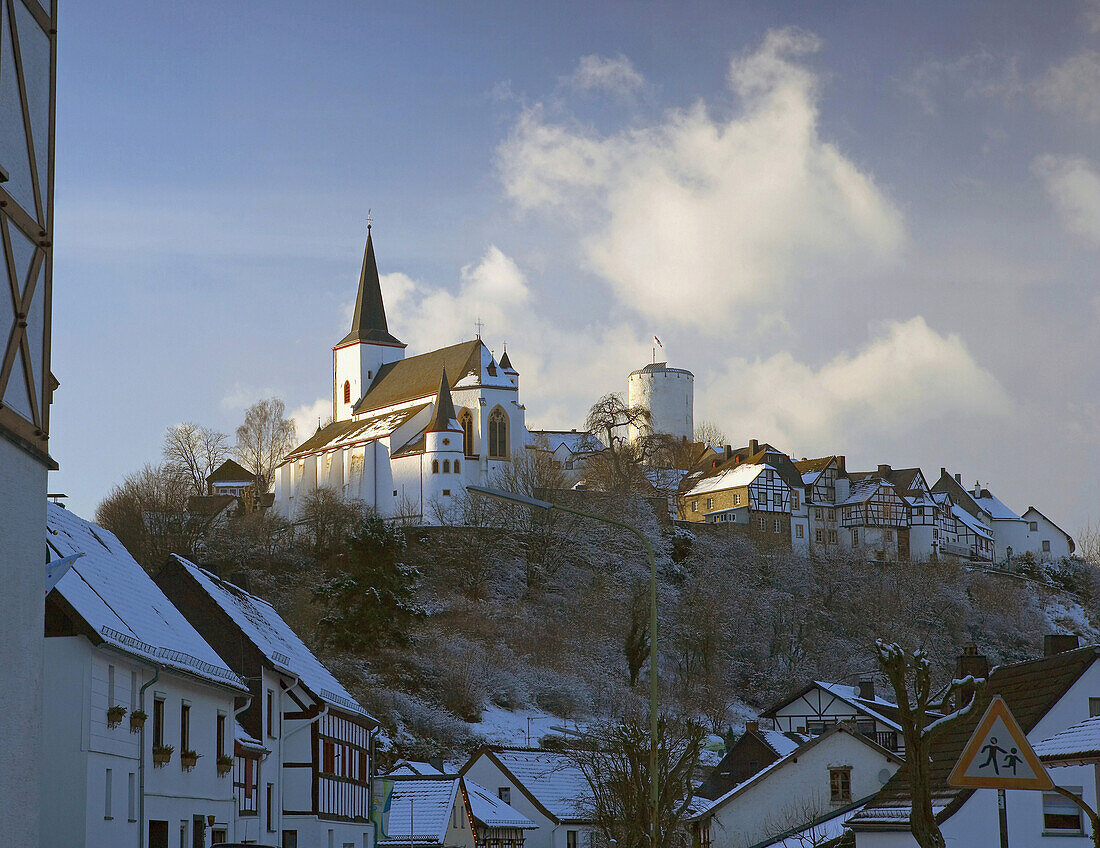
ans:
(446, 466)
(498, 434)
(457, 467)
(435, 466)
(466, 419)
(347, 391)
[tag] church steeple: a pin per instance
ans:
(368, 324)
(443, 417)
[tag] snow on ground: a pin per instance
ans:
(508, 727)
(1070, 618)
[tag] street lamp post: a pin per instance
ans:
(535, 503)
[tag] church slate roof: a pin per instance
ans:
(506, 363)
(443, 416)
(418, 376)
(355, 431)
(368, 324)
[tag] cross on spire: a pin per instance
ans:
(369, 219)
(479, 324)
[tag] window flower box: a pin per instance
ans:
(162, 754)
(225, 765)
(188, 759)
(114, 715)
(137, 721)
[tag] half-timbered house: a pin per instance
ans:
(137, 706)
(826, 484)
(819, 705)
(872, 517)
(314, 786)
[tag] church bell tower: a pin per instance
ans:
(357, 358)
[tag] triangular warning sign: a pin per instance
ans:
(998, 755)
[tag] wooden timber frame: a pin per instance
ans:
(35, 226)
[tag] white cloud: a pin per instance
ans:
(1073, 87)
(601, 73)
(701, 210)
(307, 416)
(905, 378)
(979, 74)
(1073, 186)
(240, 397)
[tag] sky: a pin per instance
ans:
(867, 228)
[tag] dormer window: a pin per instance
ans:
(347, 391)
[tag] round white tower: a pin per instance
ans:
(668, 394)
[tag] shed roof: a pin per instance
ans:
(231, 472)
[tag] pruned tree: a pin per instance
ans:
(265, 437)
(194, 453)
(920, 715)
(615, 760)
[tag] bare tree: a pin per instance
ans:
(794, 823)
(919, 715)
(147, 511)
(620, 467)
(265, 437)
(194, 452)
(328, 519)
(615, 761)
(1088, 544)
(710, 434)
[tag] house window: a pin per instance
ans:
(710, 503)
(107, 789)
(832, 536)
(568, 465)
(110, 685)
(819, 535)
(466, 419)
(220, 736)
(185, 728)
(763, 524)
(435, 466)
(347, 391)
(271, 713)
(794, 500)
(736, 499)
(1094, 707)
(695, 506)
(505, 794)
(1061, 815)
(158, 721)
(135, 690)
(328, 757)
(777, 499)
(270, 805)
(855, 537)
(446, 466)
(1033, 526)
(498, 434)
(799, 531)
(446, 493)
(457, 466)
(290, 839)
(840, 785)
(1046, 546)
(571, 839)
(776, 527)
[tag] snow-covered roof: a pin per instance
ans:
(971, 522)
(422, 804)
(782, 743)
(341, 434)
(996, 507)
(409, 768)
(864, 490)
(731, 478)
(809, 477)
(820, 832)
(850, 694)
(121, 603)
(1077, 744)
(247, 740)
(273, 637)
(491, 811)
(552, 778)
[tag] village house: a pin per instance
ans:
(569, 450)
(826, 484)
(1045, 539)
(874, 519)
(1046, 696)
(230, 478)
(818, 784)
(139, 709)
(313, 783)
(757, 748)
(546, 787)
(820, 705)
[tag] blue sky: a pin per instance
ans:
(867, 228)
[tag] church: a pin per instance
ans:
(408, 433)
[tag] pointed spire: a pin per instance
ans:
(444, 414)
(368, 324)
(505, 362)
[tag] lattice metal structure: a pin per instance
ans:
(28, 61)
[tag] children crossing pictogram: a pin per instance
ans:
(998, 755)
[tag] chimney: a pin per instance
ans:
(970, 662)
(943, 471)
(754, 446)
(883, 470)
(752, 727)
(958, 478)
(436, 763)
(867, 689)
(729, 451)
(840, 465)
(1059, 643)
(801, 730)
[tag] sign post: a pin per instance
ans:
(998, 756)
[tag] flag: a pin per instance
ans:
(658, 342)
(56, 570)
(380, 814)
